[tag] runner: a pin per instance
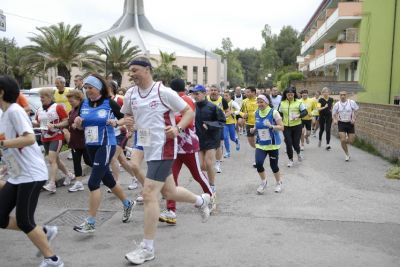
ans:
(268, 141)
(276, 98)
(292, 110)
(310, 104)
(188, 154)
(215, 98)
(325, 117)
(96, 117)
(229, 128)
(248, 109)
(152, 105)
(77, 139)
(344, 115)
(26, 171)
(238, 98)
(52, 138)
(315, 114)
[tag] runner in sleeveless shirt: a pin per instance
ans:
(344, 115)
(153, 105)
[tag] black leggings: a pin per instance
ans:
(325, 123)
(292, 139)
(273, 159)
(25, 198)
(101, 157)
(77, 155)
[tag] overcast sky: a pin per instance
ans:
(203, 23)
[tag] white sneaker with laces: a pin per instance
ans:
(290, 163)
(168, 216)
(278, 187)
(140, 255)
(51, 187)
(134, 184)
(347, 158)
(68, 179)
(139, 199)
(78, 186)
(51, 263)
(261, 188)
(204, 208)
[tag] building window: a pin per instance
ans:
(195, 75)
(185, 72)
(346, 74)
(205, 75)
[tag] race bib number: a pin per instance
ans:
(143, 137)
(345, 116)
(44, 123)
(292, 116)
(92, 134)
(264, 135)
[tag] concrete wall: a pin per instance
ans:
(379, 125)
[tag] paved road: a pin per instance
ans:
(331, 213)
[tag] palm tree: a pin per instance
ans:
(166, 71)
(60, 46)
(18, 65)
(118, 54)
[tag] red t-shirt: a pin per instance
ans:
(189, 142)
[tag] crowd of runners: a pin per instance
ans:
(168, 127)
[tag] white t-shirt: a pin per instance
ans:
(345, 110)
(26, 164)
(153, 109)
(276, 101)
(238, 100)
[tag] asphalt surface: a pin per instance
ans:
(330, 213)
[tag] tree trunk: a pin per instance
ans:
(117, 77)
(20, 80)
(62, 70)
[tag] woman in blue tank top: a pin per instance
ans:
(268, 141)
(98, 117)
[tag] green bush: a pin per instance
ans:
(287, 78)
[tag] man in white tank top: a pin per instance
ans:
(152, 106)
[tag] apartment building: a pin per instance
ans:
(331, 47)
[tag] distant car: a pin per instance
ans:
(34, 104)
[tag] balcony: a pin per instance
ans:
(343, 17)
(342, 53)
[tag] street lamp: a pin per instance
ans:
(268, 79)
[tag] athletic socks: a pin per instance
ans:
(91, 220)
(126, 203)
(149, 244)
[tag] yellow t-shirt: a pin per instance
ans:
(250, 106)
(217, 102)
(310, 104)
(62, 99)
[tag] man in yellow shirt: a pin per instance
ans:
(60, 94)
(249, 108)
(310, 104)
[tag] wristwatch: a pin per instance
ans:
(180, 130)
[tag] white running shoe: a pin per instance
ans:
(261, 188)
(134, 184)
(51, 263)
(127, 214)
(139, 199)
(300, 156)
(68, 179)
(168, 216)
(218, 167)
(301, 148)
(347, 158)
(140, 255)
(204, 208)
(78, 186)
(290, 163)
(51, 187)
(278, 187)
(85, 227)
(69, 157)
